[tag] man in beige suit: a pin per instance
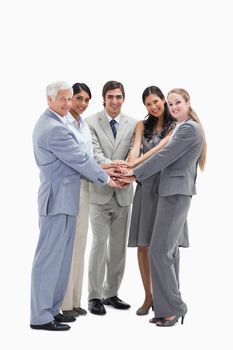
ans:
(112, 133)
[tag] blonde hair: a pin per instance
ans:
(194, 116)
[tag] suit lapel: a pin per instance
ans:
(122, 128)
(52, 115)
(103, 120)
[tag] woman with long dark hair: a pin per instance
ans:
(148, 134)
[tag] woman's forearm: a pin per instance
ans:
(135, 151)
(151, 152)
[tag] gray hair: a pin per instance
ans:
(53, 88)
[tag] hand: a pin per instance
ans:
(128, 172)
(121, 163)
(114, 164)
(106, 165)
(126, 180)
(130, 165)
(124, 163)
(116, 184)
(114, 171)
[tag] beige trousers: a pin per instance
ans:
(74, 288)
(109, 223)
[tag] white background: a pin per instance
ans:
(174, 43)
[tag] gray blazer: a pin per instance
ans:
(106, 149)
(61, 162)
(177, 162)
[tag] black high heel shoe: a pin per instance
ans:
(168, 323)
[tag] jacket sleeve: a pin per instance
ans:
(62, 143)
(184, 139)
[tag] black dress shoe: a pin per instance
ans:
(96, 307)
(63, 318)
(51, 326)
(80, 311)
(70, 313)
(116, 302)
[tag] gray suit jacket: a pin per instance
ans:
(177, 162)
(106, 149)
(61, 162)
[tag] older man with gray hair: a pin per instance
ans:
(62, 163)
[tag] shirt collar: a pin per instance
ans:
(117, 119)
(71, 119)
(63, 119)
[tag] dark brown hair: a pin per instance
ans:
(151, 121)
(111, 85)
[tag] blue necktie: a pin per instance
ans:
(113, 127)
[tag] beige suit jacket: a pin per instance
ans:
(106, 149)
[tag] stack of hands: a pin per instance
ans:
(120, 172)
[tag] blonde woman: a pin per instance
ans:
(177, 162)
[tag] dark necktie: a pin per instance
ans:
(113, 127)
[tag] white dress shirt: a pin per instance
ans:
(81, 132)
(117, 119)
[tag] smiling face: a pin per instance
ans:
(155, 105)
(61, 103)
(79, 103)
(113, 102)
(178, 107)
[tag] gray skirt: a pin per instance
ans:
(144, 212)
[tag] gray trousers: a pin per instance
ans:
(109, 224)
(164, 255)
(51, 266)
